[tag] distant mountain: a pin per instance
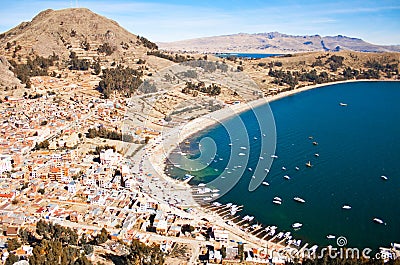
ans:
(274, 42)
(73, 29)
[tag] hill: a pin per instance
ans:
(74, 29)
(275, 43)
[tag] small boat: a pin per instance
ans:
(315, 143)
(286, 177)
(308, 164)
(384, 177)
(207, 199)
(330, 236)
(261, 158)
(243, 148)
(230, 144)
(250, 169)
(298, 199)
(277, 202)
(379, 221)
(283, 168)
(266, 170)
(265, 183)
(201, 185)
(242, 154)
(310, 137)
(274, 156)
(264, 135)
(343, 104)
(346, 207)
(255, 138)
(317, 155)
(253, 177)
(297, 225)
(277, 199)
(297, 168)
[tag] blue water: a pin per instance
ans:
(246, 55)
(357, 144)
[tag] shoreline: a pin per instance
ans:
(162, 146)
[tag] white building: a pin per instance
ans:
(5, 163)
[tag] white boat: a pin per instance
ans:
(343, 104)
(297, 225)
(201, 185)
(250, 169)
(308, 164)
(215, 195)
(243, 148)
(283, 168)
(255, 138)
(286, 177)
(346, 207)
(261, 157)
(242, 154)
(265, 183)
(277, 202)
(277, 199)
(253, 177)
(379, 221)
(384, 177)
(330, 236)
(297, 168)
(207, 199)
(230, 144)
(317, 155)
(267, 170)
(274, 156)
(298, 199)
(264, 134)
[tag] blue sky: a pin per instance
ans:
(374, 21)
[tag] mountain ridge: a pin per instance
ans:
(274, 42)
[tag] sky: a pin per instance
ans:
(375, 21)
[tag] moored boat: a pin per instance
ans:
(297, 225)
(298, 199)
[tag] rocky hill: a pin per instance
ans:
(75, 29)
(274, 42)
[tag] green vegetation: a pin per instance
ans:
(211, 90)
(78, 64)
(36, 67)
(147, 43)
(108, 134)
(176, 59)
(42, 145)
(123, 80)
(106, 49)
